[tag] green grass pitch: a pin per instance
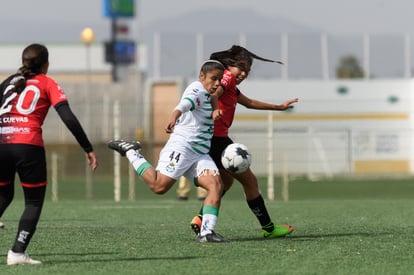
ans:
(355, 226)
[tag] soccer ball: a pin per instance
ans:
(236, 158)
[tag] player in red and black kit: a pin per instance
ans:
(238, 62)
(25, 99)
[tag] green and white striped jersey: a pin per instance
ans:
(195, 125)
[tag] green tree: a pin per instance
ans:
(349, 67)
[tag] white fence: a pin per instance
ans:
(337, 127)
(327, 152)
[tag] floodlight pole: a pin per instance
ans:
(114, 62)
(87, 37)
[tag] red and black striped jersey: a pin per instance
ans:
(22, 115)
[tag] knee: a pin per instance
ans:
(215, 187)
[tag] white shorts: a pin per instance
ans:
(177, 160)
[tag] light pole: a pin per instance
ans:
(87, 38)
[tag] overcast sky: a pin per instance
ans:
(57, 20)
(382, 16)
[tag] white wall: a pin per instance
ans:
(63, 58)
(369, 126)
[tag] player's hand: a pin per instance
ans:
(169, 128)
(92, 160)
(217, 114)
(288, 104)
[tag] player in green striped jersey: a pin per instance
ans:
(191, 127)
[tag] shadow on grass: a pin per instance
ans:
(335, 235)
(311, 236)
(88, 258)
(120, 259)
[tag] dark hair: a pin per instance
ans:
(236, 55)
(34, 57)
(210, 65)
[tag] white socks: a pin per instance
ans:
(208, 224)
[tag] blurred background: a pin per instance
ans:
(124, 64)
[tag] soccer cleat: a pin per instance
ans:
(20, 258)
(211, 238)
(196, 224)
(278, 231)
(2, 225)
(122, 146)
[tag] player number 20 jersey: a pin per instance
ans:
(22, 115)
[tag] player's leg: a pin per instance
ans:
(208, 177)
(197, 220)
(171, 165)
(157, 182)
(6, 196)
(7, 175)
(31, 169)
(218, 144)
(257, 205)
(210, 208)
(33, 200)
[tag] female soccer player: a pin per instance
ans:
(25, 98)
(238, 62)
(186, 151)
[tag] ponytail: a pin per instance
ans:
(236, 53)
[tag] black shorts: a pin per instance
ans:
(218, 144)
(28, 161)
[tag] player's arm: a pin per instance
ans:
(169, 128)
(219, 91)
(260, 105)
(217, 113)
(186, 104)
(74, 126)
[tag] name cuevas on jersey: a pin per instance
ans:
(22, 115)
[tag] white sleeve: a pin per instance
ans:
(185, 105)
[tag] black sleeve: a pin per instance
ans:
(73, 125)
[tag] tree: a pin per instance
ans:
(349, 68)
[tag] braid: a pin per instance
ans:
(19, 83)
(255, 56)
(236, 53)
(13, 84)
(26, 72)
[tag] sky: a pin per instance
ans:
(58, 20)
(344, 16)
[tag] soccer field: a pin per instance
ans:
(341, 228)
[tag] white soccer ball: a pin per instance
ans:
(236, 158)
